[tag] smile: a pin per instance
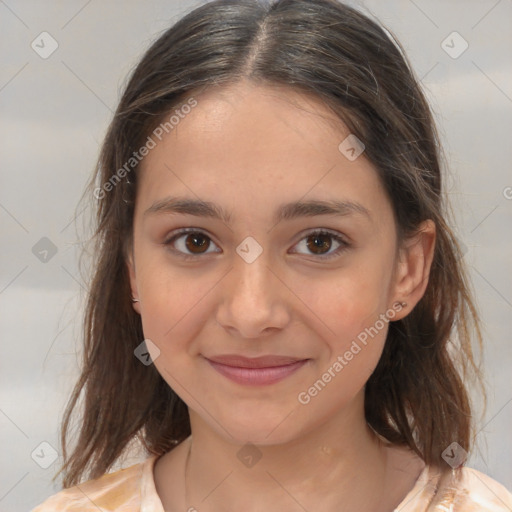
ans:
(259, 371)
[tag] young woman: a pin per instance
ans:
(279, 313)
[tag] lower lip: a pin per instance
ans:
(257, 376)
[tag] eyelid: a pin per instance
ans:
(181, 231)
(332, 232)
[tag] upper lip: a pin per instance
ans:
(238, 361)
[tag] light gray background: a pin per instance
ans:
(54, 113)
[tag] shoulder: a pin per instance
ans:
(482, 492)
(462, 490)
(111, 491)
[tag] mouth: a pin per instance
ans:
(257, 371)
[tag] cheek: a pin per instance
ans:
(172, 317)
(354, 308)
(348, 301)
(173, 303)
(347, 358)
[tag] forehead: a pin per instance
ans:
(262, 110)
(286, 102)
(247, 120)
(258, 146)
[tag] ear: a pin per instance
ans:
(413, 268)
(130, 264)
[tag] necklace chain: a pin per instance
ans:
(187, 463)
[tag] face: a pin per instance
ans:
(271, 311)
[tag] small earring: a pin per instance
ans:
(403, 304)
(135, 300)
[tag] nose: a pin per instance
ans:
(254, 302)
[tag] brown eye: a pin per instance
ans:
(319, 243)
(197, 243)
(189, 243)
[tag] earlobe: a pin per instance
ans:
(414, 268)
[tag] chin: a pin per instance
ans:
(257, 426)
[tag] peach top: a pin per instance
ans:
(133, 490)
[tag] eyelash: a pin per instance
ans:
(344, 245)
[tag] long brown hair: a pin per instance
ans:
(417, 395)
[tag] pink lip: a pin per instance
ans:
(256, 371)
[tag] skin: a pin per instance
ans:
(250, 149)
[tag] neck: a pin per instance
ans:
(340, 465)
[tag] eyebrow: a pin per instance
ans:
(288, 211)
